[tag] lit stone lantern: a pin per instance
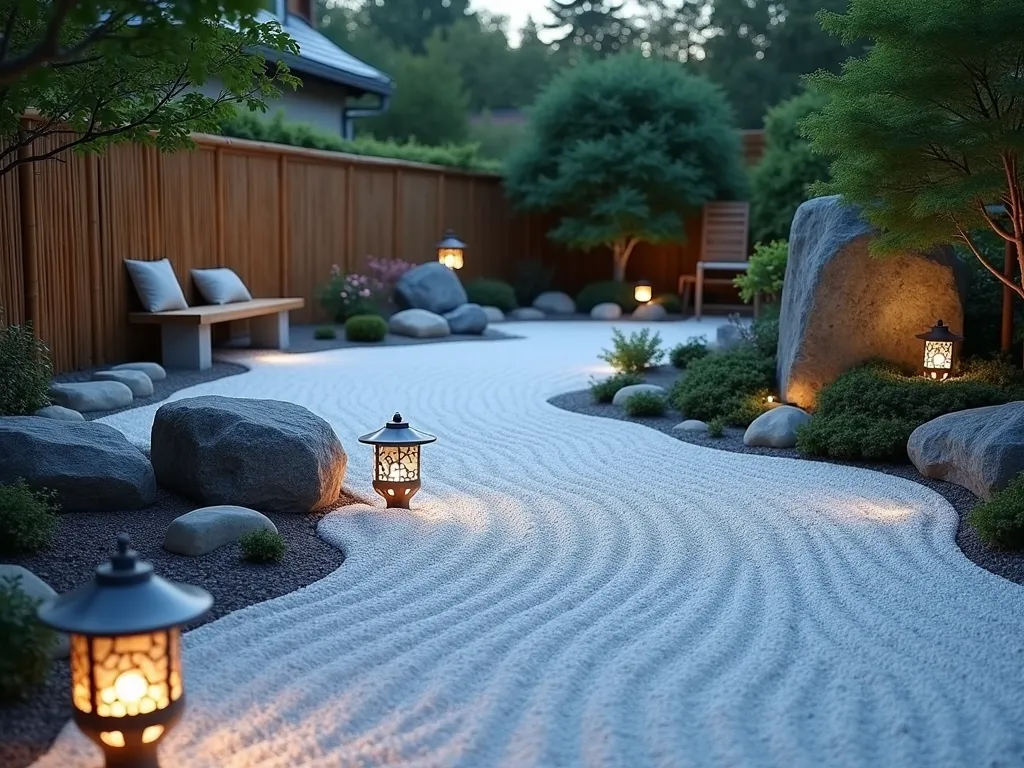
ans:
(451, 250)
(127, 687)
(939, 351)
(642, 291)
(396, 460)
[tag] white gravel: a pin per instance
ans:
(579, 591)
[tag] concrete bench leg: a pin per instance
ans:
(186, 346)
(269, 331)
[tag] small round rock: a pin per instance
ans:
(203, 530)
(691, 425)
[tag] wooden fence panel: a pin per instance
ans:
(12, 278)
(373, 219)
(419, 222)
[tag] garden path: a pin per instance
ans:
(578, 591)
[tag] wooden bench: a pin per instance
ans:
(185, 333)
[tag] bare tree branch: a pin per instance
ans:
(998, 275)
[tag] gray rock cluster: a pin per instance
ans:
(111, 389)
(436, 305)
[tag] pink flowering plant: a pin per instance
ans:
(387, 271)
(352, 294)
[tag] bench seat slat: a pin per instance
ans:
(218, 313)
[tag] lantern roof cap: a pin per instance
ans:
(450, 241)
(125, 597)
(397, 432)
(643, 281)
(939, 332)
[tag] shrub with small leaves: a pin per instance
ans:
(366, 328)
(645, 404)
(492, 293)
(716, 427)
(765, 272)
(1000, 520)
(634, 354)
(262, 546)
(25, 370)
(28, 519)
(325, 333)
(604, 390)
(722, 384)
(25, 644)
(682, 355)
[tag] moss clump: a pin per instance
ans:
(262, 546)
(366, 328)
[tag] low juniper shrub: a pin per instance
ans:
(603, 391)
(25, 644)
(694, 348)
(28, 519)
(722, 385)
(645, 404)
(262, 546)
(634, 354)
(366, 328)
(1000, 520)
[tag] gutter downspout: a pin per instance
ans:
(350, 115)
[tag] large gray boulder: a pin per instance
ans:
(555, 303)
(90, 466)
(431, 286)
(138, 382)
(264, 454)
(776, 428)
(841, 306)
(981, 449)
(418, 324)
(155, 371)
(469, 318)
(91, 396)
(627, 392)
(38, 590)
(203, 530)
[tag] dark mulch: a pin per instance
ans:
(85, 539)
(301, 339)
(1009, 565)
(175, 380)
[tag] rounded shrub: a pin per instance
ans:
(612, 291)
(262, 546)
(681, 355)
(492, 293)
(670, 301)
(325, 333)
(366, 328)
(635, 353)
(28, 519)
(25, 370)
(25, 644)
(1000, 520)
(645, 404)
(604, 391)
(721, 385)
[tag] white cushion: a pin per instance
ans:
(220, 286)
(156, 285)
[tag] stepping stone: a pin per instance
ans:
(691, 425)
(494, 315)
(776, 428)
(155, 371)
(626, 392)
(606, 310)
(469, 318)
(91, 396)
(526, 313)
(201, 531)
(38, 590)
(419, 323)
(555, 303)
(650, 312)
(60, 413)
(138, 382)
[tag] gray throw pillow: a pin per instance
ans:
(156, 285)
(220, 286)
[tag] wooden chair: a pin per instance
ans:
(723, 248)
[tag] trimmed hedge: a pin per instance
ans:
(492, 293)
(606, 291)
(366, 328)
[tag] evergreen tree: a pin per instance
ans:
(594, 27)
(408, 24)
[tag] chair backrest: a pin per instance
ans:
(725, 232)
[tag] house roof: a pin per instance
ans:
(319, 57)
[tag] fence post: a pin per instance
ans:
(29, 257)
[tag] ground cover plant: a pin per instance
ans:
(681, 355)
(725, 385)
(262, 546)
(870, 411)
(1000, 520)
(28, 519)
(645, 404)
(635, 353)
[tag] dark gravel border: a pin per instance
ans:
(302, 341)
(1009, 565)
(85, 539)
(176, 379)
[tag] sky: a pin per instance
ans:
(517, 11)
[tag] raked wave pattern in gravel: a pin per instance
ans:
(579, 591)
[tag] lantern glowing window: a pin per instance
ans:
(126, 681)
(642, 291)
(396, 460)
(450, 251)
(939, 352)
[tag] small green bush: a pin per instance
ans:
(325, 333)
(765, 273)
(645, 404)
(721, 385)
(604, 390)
(533, 278)
(28, 519)
(1000, 520)
(262, 546)
(366, 328)
(869, 412)
(716, 427)
(670, 301)
(634, 354)
(492, 293)
(25, 370)
(25, 644)
(682, 355)
(606, 291)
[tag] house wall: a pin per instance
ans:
(313, 102)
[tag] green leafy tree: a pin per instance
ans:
(595, 27)
(623, 150)
(926, 130)
(99, 73)
(780, 182)
(409, 24)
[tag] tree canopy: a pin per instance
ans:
(622, 150)
(926, 130)
(98, 73)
